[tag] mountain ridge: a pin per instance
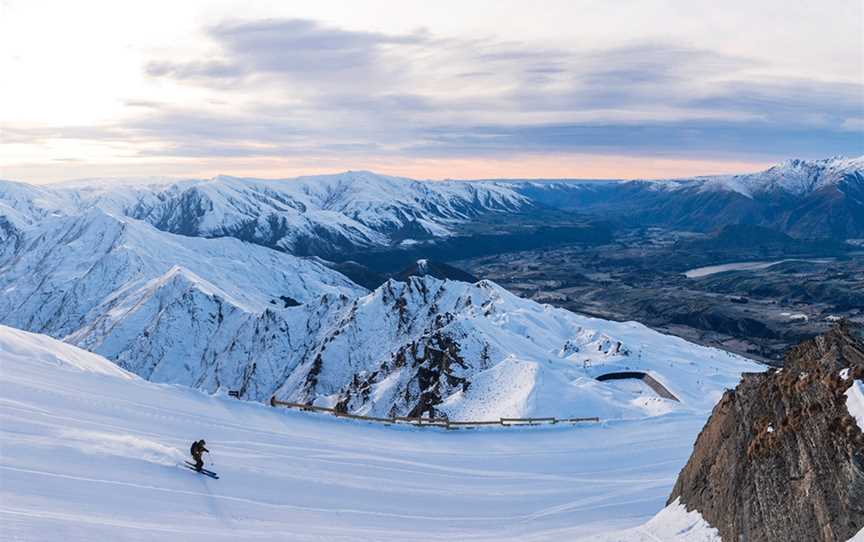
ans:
(187, 310)
(329, 215)
(782, 453)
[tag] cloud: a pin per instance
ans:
(313, 90)
(853, 124)
(689, 138)
(189, 70)
(296, 49)
(792, 101)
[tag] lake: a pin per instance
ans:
(744, 266)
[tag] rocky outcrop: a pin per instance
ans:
(781, 458)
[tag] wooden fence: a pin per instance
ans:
(433, 422)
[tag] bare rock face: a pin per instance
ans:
(781, 458)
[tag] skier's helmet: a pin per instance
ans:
(202, 442)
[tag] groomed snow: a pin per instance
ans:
(91, 453)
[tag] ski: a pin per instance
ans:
(205, 472)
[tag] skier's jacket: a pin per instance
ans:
(198, 449)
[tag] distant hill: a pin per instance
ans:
(803, 198)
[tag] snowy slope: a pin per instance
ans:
(855, 402)
(92, 453)
(23, 204)
(673, 523)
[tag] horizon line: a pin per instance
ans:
(331, 173)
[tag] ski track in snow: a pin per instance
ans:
(93, 456)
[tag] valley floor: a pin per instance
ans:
(93, 456)
(744, 306)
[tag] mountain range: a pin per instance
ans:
(86, 265)
(213, 284)
(335, 216)
(802, 198)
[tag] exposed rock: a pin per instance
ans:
(781, 458)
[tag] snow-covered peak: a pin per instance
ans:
(355, 193)
(797, 177)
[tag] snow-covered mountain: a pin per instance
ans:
(795, 176)
(22, 205)
(331, 215)
(802, 198)
(222, 314)
(476, 351)
(109, 283)
(158, 277)
(320, 215)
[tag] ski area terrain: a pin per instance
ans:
(136, 307)
(92, 452)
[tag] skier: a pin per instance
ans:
(196, 450)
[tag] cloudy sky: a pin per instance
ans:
(443, 89)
